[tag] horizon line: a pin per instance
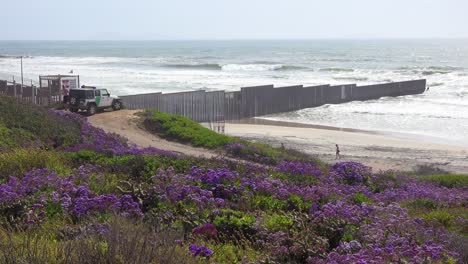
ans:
(252, 39)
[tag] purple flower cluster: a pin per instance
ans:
(353, 214)
(40, 187)
(85, 203)
(212, 177)
(202, 198)
(412, 189)
(207, 230)
(297, 168)
(200, 251)
(351, 172)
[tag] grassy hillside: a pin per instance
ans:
(23, 124)
(93, 198)
(184, 130)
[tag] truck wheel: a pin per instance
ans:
(73, 100)
(116, 105)
(92, 109)
(73, 109)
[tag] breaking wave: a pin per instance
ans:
(445, 68)
(252, 67)
(207, 66)
(357, 79)
(427, 73)
(336, 70)
(431, 70)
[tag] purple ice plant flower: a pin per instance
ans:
(298, 168)
(351, 172)
(200, 251)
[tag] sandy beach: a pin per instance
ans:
(380, 151)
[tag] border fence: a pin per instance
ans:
(255, 101)
(216, 107)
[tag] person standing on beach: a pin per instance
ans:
(337, 152)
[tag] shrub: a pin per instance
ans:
(296, 203)
(423, 203)
(429, 169)
(443, 217)
(255, 153)
(6, 140)
(448, 180)
(182, 129)
(226, 254)
(360, 198)
(268, 203)
(277, 222)
(20, 161)
(234, 223)
(84, 156)
(384, 180)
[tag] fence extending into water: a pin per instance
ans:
(255, 101)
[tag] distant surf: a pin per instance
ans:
(236, 67)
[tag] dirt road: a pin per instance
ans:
(127, 124)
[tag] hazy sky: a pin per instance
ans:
(231, 19)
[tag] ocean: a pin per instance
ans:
(131, 67)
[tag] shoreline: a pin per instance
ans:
(382, 151)
(392, 134)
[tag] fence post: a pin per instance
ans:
(50, 92)
(22, 77)
(33, 91)
(14, 87)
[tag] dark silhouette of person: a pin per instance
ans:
(337, 152)
(282, 146)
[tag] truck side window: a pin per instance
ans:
(104, 93)
(97, 93)
(89, 94)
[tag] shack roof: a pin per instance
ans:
(56, 77)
